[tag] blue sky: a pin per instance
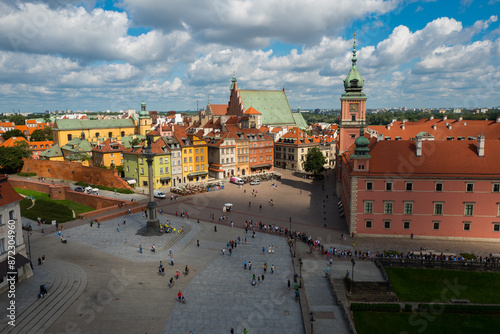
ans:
(106, 54)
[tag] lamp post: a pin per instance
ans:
(312, 321)
(29, 249)
(352, 280)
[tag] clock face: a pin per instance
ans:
(353, 107)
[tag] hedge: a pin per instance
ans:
(453, 308)
(26, 174)
(375, 307)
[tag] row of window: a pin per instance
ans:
(436, 225)
(97, 135)
(197, 151)
(174, 171)
(469, 187)
(267, 151)
(34, 147)
(268, 158)
(408, 208)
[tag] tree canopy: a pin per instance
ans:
(314, 161)
(18, 119)
(13, 133)
(11, 158)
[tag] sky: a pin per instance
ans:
(179, 54)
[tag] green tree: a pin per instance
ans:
(13, 133)
(11, 158)
(38, 135)
(314, 161)
(18, 119)
(48, 133)
(136, 141)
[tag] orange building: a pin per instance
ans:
(36, 147)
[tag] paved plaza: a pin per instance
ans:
(99, 282)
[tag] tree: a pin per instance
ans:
(48, 133)
(11, 158)
(13, 133)
(136, 141)
(314, 161)
(18, 119)
(38, 135)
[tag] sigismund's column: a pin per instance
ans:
(153, 221)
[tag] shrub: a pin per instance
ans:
(375, 307)
(468, 256)
(463, 309)
(26, 174)
(119, 190)
(408, 308)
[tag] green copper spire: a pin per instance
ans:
(361, 150)
(233, 81)
(353, 83)
(143, 111)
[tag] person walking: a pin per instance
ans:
(249, 265)
(263, 250)
(124, 221)
(272, 269)
(140, 248)
(289, 284)
(198, 242)
(43, 259)
(179, 296)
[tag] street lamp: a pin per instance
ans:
(312, 322)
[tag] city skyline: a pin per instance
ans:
(99, 55)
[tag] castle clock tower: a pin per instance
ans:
(353, 106)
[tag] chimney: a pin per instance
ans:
(460, 119)
(380, 137)
(418, 147)
(388, 126)
(445, 118)
(434, 126)
(432, 117)
(498, 119)
(446, 123)
(465, 123)
(480, 146)
(403, 126)
(449, 127)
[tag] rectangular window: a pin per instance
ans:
(469, 187)
(496, 187)
(185, 168)
(142, 170)
(368, 224)
(469, 209)
(161, 161)
(112, 155)
(202, 158)
(142, 161)
(1, 219)
(190, 159)
(161, 170)
(406, 225)
(196, 151)
(466, 226)
(439, 186)
(197, 159)
(388, 208)
(368, 207)
(388, 186)
(2, 246)
(369, 185)
(202, 150)
(190, 151)
(435, 225)
(387, 224)
(191, 168)
(166, 170)
(128, 169)
(112, 162)
(185, 160)
(438, 209)
(496, 227)
(197, 167)
(498, 211)
(408, 208)
(409, 186)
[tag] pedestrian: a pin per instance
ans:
(265, 266)
(172, 262)
(90, 222)
(289, 284)
(263, 250)
(140, 248)
(43, 259)
(198, 242)
(230, 251)
(245, 331)
(215, 228)
(231, 331)
(249, 265)
(98, 224)
(43, 232)
(331, 261)
(262, 278)
(118, 228)
(179, 295)
(245, 265)
(272, 269)
(124, 221)
(249, 204)
(40, 261)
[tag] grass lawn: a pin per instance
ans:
(430, 285)
(415, 322)
(49, 209)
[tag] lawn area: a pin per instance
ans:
(415, 322)
(429, 285)
(49, 209)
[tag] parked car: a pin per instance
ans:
(159, 194)
(80, 189)
(255, 182)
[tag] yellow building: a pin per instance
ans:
(108, 154)
(194, 156)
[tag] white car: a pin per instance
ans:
(255, 182)
(159, 194)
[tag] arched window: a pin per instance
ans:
(123, 133)
(70, 137)
(110, 134)
(97, 134)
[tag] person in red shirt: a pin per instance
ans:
(179, 295)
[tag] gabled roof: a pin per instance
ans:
(218, 109)
(109, 146)
(11, 142)
(7, 194)
(251, 111)
(77, 145)
(54, 151)
(76, 124)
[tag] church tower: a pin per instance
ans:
(353, 106)
(144, 120)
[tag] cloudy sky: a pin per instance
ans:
(108, 54)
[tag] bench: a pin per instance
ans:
(459, 301)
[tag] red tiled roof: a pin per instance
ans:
(7, 194)
(105, 147)
(464, 128)
(12, 141)
(439, 158)
(219, 109)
